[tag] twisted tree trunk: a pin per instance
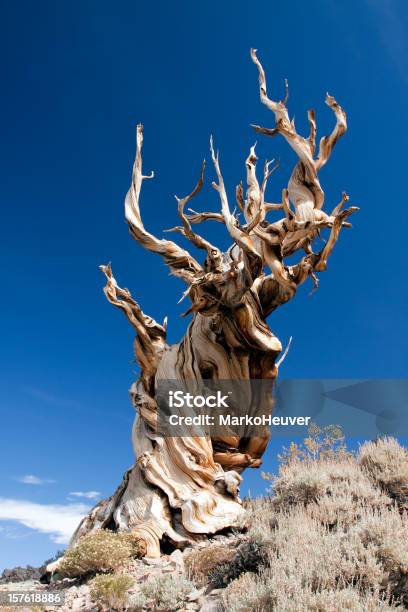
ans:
(181, 488)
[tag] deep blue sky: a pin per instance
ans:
(76, 78)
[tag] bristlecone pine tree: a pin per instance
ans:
(180, 487)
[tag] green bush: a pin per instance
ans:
(102, 551)
(111, 590)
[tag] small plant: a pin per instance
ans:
(386, 463)
(248, 592)
(263, 593)
(337, 488)
(102, 551)
(136, 602)
(110, 591)
(250, 556)
(201, 562)
(327, 442)
(166, 592)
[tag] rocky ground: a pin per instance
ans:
(77, 596)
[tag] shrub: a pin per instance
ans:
(266, 592)
(299, 483)
(250, 556)
(110, 591)
(136, 602)
(201, 562)
(304, 553)
(386, 463)
(101, 551)
(335, 491)
(248, 592)
(327, 442)
(165, 591)
(388, 532)
(334, 538)
(259, 510)
(369, 555)
(340, 600)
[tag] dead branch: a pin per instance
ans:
(180, 262)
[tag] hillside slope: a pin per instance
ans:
(331, 536)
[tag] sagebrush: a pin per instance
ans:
(102, 551)
(334, 530)
(110, 591)
(164, 592)
(200, 563)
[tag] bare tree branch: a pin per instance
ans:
(321, 263)
(199, 217)
(312, 134)
(214, 254)
(327, 143)
(304, 187)
(239, 196)
(241, 238)
(180, 262)
(151, 335)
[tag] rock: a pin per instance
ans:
(27, 585)
(21, 574)
(215, 592)
(211, 605)
(78, 603)
(195, 595)
(154, 561)
(56, 577)
(48, 572)
(176, 557)
(191, 606)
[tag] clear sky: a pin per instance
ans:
(76, 78)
